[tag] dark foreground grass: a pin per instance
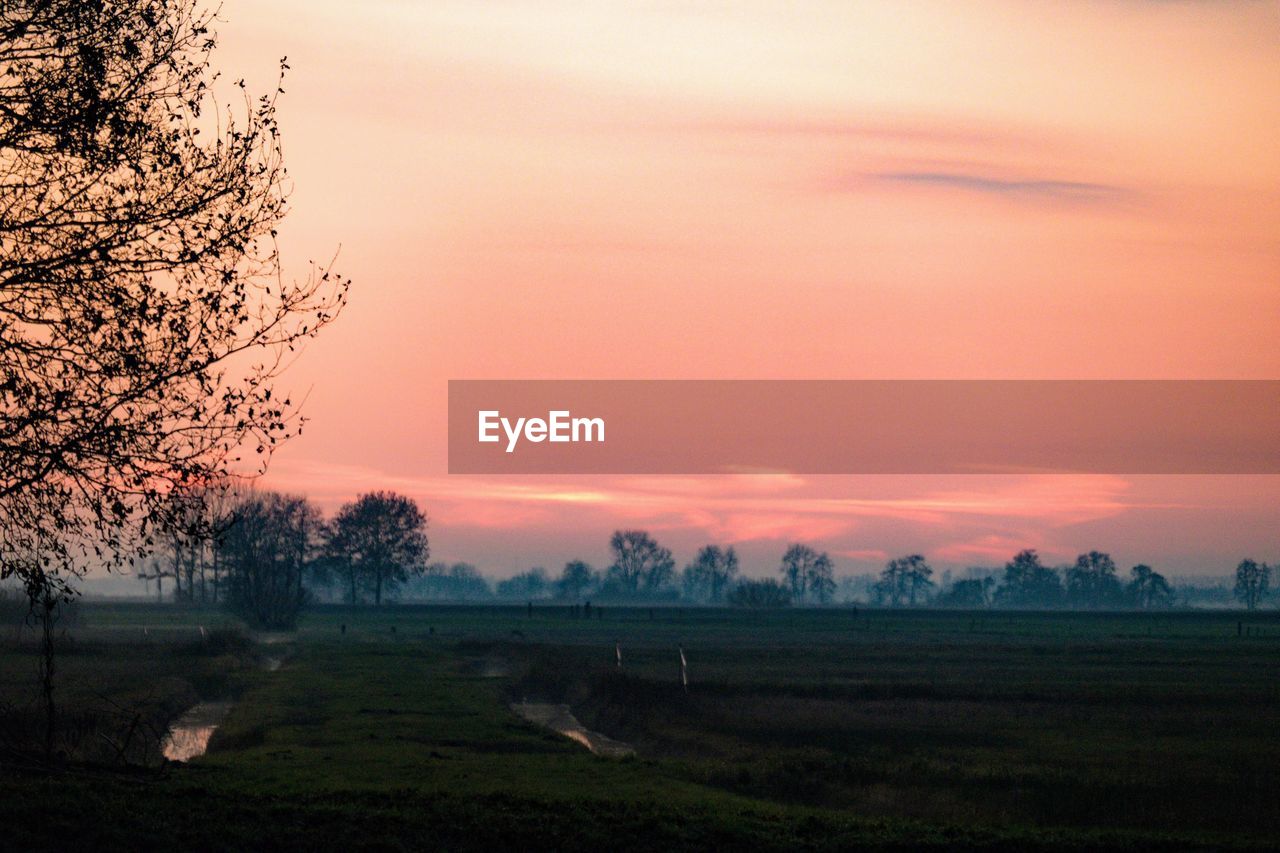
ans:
(812, 730)
(115, 694)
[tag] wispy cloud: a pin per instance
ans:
(735, 509)
(1037, 188)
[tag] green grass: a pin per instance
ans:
(801, 730)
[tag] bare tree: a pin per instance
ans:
(905, 579)
(143, 312)
(640, 564)
(1148, 588)
(1253, 580)
(267, 552)
(710, 574)
(807, 574)
(198, 519)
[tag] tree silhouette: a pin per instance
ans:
(1029, 583)
(267, 552)
(971, 592)
(1148, 588)
(640, 564)
(905, 578)
(378, 542)
(143, 312)
(760, 594)
(457, 582)
(711, 573)
(199, 517)
(1092, 581)
(807, 574)
(1253, 580)
(575, 580)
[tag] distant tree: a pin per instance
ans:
(640, 564)
(576, 579)
(969, 593)
(888, 587)
(182, 538)
(526, 585)
(807, 574)
(760, 594)
(1253, 580)
(820, 586)
(1092, 581)
(267, 552)
(710, 574)
(905, 579)
(795, 569)
(198, 517)
(445, 582)
(1148, 588)
(1207, 592)
(1029, 583)
(463, 582)
(856, 588)
(378, 542)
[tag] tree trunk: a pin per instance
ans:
(204, 587)
(48, 604)
(177, 570)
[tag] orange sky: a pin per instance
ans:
(765, 190)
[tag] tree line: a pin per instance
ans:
(266, 554)
(261, 552)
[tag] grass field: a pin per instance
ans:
(800, 729)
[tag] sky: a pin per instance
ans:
(762, 190)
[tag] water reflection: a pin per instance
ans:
(560, 719)
(189, 735)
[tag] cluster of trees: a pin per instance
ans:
(1091, 582)
(808, 575)
(259, 551)
(457, 582)
(642, 569)
(905, 580)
